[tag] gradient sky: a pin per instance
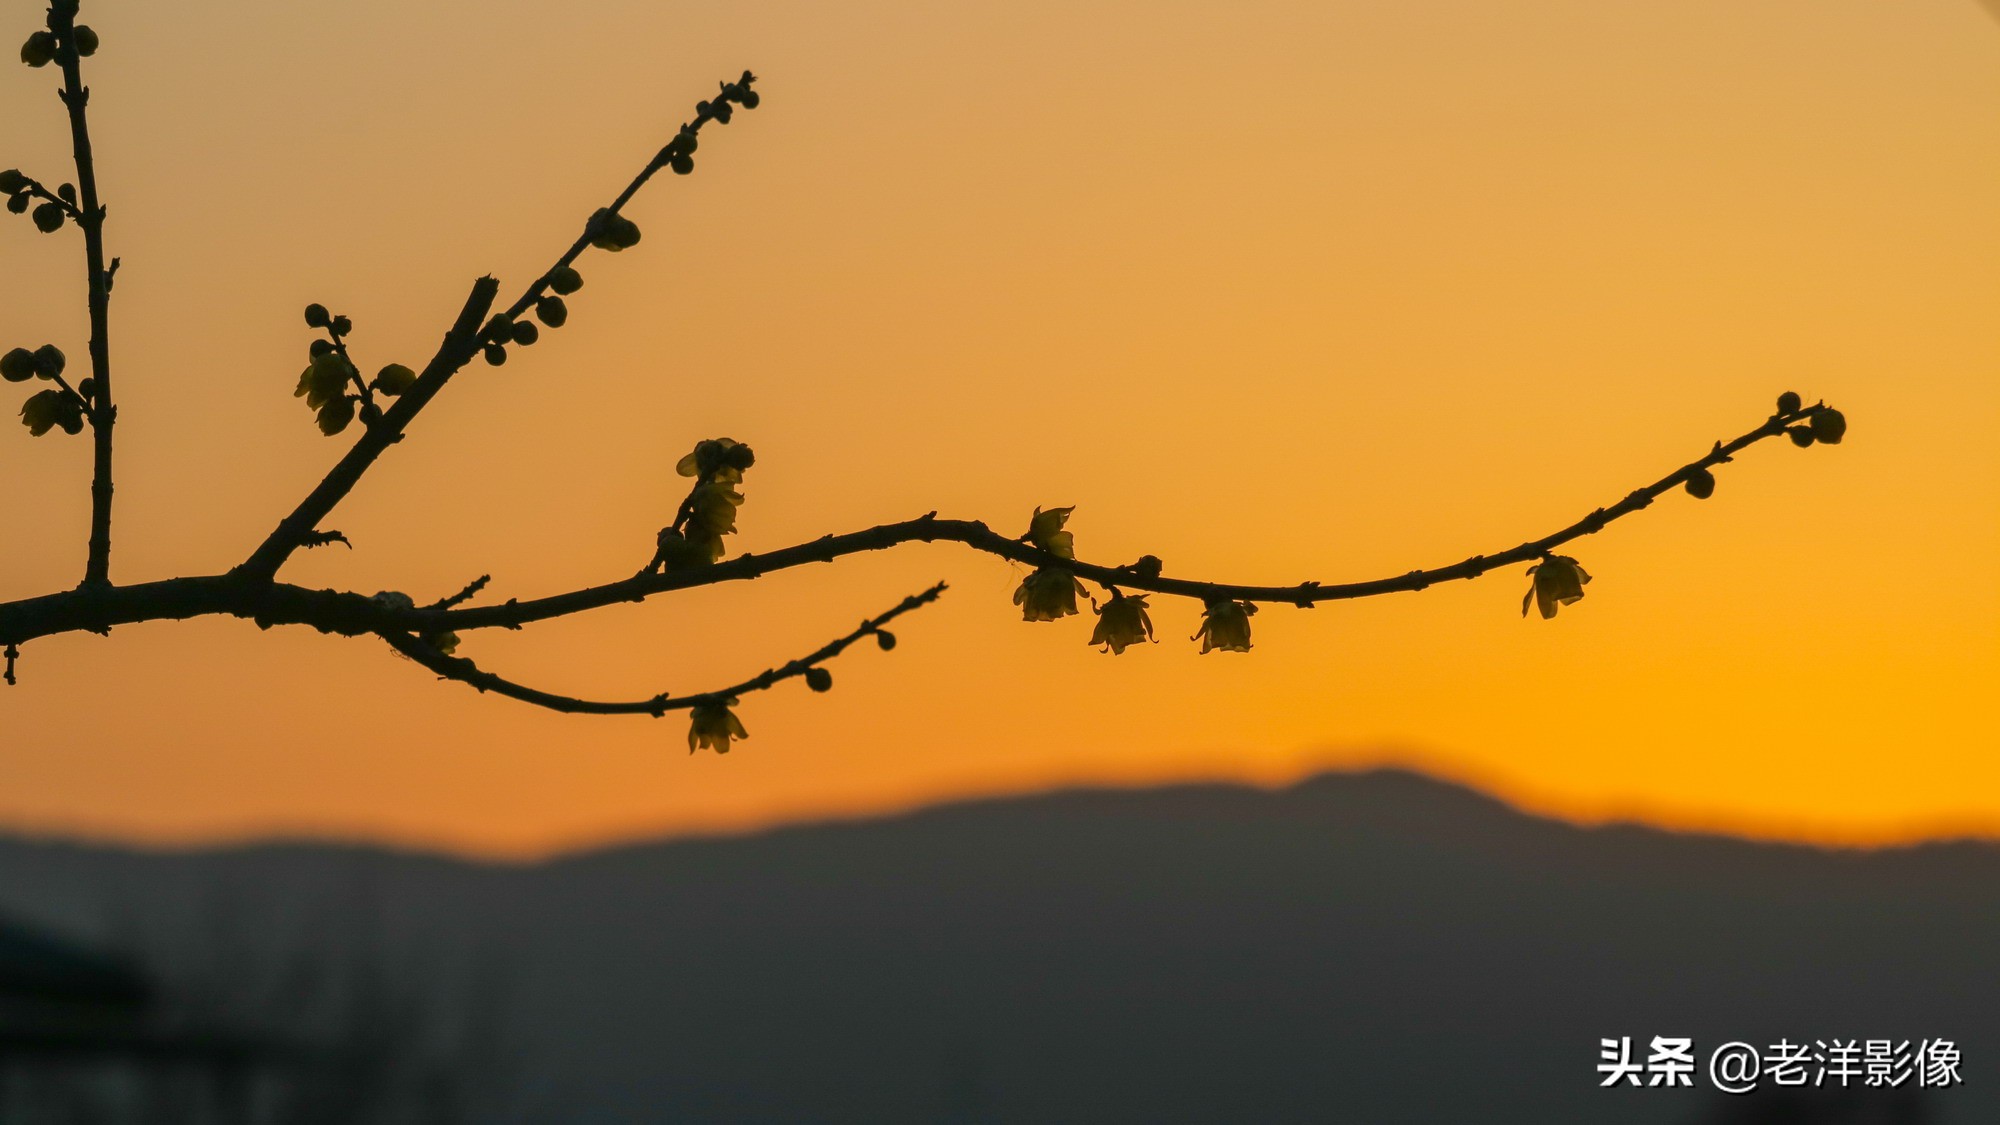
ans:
(1272, 290)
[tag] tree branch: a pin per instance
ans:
(101, 410)
(466, 672)
(458, 349)
(428, 633)
(978, 536)
(352, 614)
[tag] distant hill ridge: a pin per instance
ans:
(1368, 947)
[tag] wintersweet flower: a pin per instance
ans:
(324, 379)
(1045, 531)
(719, 459)
(1048, 594)
(1225, 625)
(1122, 621)
(712, 508)
(712, 725)
(1558, 582)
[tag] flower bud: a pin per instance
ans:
(739, 457)
(319, 348)
(12, 180)
(748, 99)
(526, 333)
(18, 204)
(67, 193)
(495, 354)
(682, 164)
(565, 281)
(552, 312)
(885, 640)
(49, 218)
(1701, 484)
(1801, 436)
(613, 232)
(85, 41)
(1790, 402)
(39, 51)
(708, 456)
(18, 365)
(394, 379)
(341, 326)
(1829, 426)
(370, 414)
(49, 361)
(819, 679)
(317, 316)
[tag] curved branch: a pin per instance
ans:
(96, 609)
(466, 672)
(979, 537)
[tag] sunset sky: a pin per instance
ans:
(1274, 291)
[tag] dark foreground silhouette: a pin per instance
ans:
(1366, 948)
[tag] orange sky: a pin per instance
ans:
(1272, 290)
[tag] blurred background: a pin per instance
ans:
(1274, 291)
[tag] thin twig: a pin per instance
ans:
(466, 672)
(470, 591)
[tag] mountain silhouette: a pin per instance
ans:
(1360, 947)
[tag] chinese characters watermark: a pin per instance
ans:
(1738, 1067)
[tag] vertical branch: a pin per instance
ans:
(100, 409)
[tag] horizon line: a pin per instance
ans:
(1518, 800)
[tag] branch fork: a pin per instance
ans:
(429, 634)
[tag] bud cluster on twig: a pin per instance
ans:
(61, 407)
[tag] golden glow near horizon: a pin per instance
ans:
(1271, 290)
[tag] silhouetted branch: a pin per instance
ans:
(929, 529)
(460, 345)
(470, 591)
(461, 342)
(101, 409)
(353, 614)
(465, 671)
(689, 552)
